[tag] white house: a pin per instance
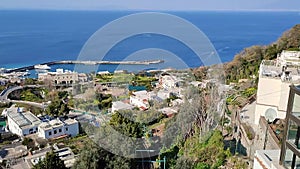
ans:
(140, 99)
(65, 154)
(21, 122)
(167, 81)
(287, 58)
(56, 128)
(119, 105)
(273, 89)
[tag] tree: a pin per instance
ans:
(59, 104)
(51, 161)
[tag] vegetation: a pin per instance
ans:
(59, 103)
(126, 126)
(51, 161)
(92, 156)
(246, 64)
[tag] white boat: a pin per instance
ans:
(42, 67)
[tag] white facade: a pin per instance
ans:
(267, 159)
(61, 77)
(273, 89)
(20, 122)
(140, 99)
(167, 81)
(56, 128)
(64, 154)
(289, 58)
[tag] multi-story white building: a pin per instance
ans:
(275, 77)
(21, 122)
(168, 81)
(56, 128)
(140, 99)
(61, 77)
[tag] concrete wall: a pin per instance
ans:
(260, 110)
(271, 93)
(73, 129)
(272, 140)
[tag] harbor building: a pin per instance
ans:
(21, 122)
(62, 77)
(275, 77)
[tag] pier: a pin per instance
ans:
(145, 62)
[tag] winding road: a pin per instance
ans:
(4, 96)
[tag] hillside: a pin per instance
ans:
(246, 63)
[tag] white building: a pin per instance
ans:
(273, 89)
(119, 105)
(21, 122)
(140, 99)
(287, 58)
(267, 159)
(65, 154)
(168, 81)
(61, 77)
(56, 128)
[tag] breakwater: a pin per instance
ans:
(144, 62)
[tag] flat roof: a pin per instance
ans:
(22, 119)
(56, 123)
(273, 69)
(119, 105)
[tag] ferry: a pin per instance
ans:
(42, 67)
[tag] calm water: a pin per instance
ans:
(31, 37)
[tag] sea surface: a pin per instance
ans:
(33, 37)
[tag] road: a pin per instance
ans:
(4, 96)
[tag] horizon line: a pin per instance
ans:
(153, 10)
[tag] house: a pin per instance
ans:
(273, 88)
(57, 128)
(140, 99)
(119, 105)
(65, 154)
(21, 122)
(168, 81)
(288, 58)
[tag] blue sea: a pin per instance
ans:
(33, 37)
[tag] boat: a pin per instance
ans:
(42, 67)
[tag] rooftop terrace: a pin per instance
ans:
(274, 69)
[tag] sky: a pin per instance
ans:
(236, 5)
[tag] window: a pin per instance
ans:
(59, 130)
(50, 133)
(67, 129)
(55, 131)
